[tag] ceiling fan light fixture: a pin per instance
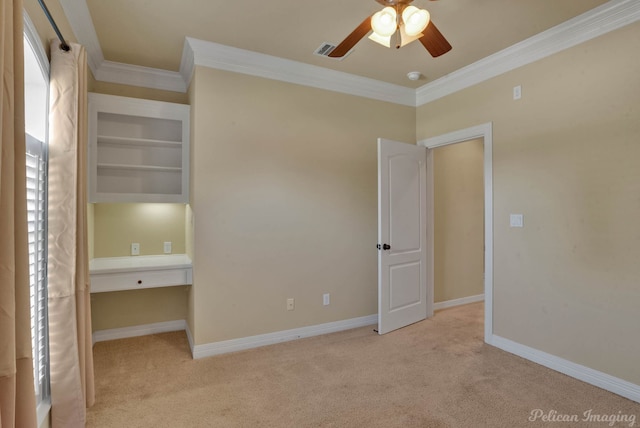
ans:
(400, 21)
(415, 20)
(381, 40)
(384, 23)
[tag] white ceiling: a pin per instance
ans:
(152, 33)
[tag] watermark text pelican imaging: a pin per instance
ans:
(590, 415)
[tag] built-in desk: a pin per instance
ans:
(136, 272)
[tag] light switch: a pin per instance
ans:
(517, 92)
(516, 220)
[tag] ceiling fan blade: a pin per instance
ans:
(350, 41)
(434, 41)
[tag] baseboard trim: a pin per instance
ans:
(458, 302)
(234, 345)
(577, 371)
(138, 330)
(187, 330)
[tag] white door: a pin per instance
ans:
(402, 234)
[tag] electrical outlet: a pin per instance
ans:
(135, 249)
(290, 304)
(326, 299)
(167, 247)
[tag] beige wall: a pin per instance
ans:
(135, 307)
(189, 213)
(116, 226)
(458, 220)
(189, 238)
(284, 196)
(566, 156)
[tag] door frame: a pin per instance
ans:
(484, 131)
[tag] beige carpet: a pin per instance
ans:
(437, 373)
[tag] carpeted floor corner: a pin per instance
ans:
(436, 373)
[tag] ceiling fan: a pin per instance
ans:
(402, 20)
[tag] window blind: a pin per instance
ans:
(37, 228)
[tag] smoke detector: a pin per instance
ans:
(413, 75)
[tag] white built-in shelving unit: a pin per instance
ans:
(138, 150)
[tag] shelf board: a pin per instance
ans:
(139, 142)
(111, 197)
(139, 167)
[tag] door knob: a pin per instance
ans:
(384, 247)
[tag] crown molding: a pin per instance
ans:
(222, 57)
(601, 20)
(596, 22)
(135, 75)
(187, 63)
(79, 18)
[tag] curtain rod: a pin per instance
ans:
(63, 44)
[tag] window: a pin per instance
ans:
(36, 90)
(37, 223)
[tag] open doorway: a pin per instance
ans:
(458, 216)
(471, 147)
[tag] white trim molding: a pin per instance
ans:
(31, 34)
(596, 22)
(43, 412)
(135, 75)
(234, 345)
(138, 330)
(215, 55)
(192, 343)
(458, 302)
(484, 131)
(577, 371)
(79, 18)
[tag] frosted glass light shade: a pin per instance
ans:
(381, 40)
(384, 22)
(405, 38)
(415, 20)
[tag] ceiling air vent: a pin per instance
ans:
(325, 49)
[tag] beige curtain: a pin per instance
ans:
(72, 388)
(17, 394)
